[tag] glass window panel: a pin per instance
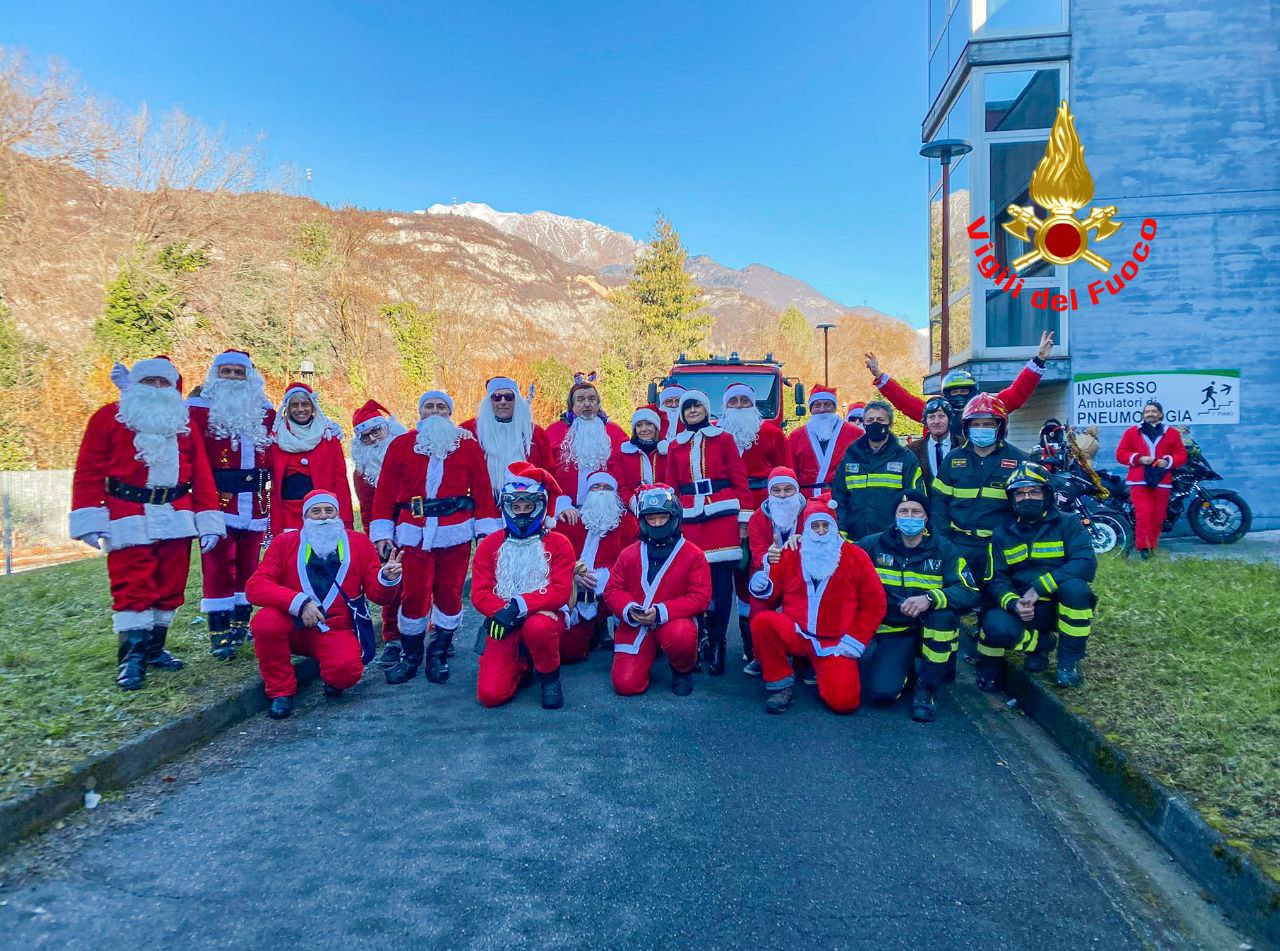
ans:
(1026, 99)
(935, 249)
(958, 117)
(1011, 166)
(959, 214)
(937, 71)
(960, 327)
(935, 173)
(1013, 322)
(1020, 16)
(958, 31)
(935, 336)
(937, 19)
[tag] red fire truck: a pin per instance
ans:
(714, 374)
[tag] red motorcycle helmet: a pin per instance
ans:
(986, 406)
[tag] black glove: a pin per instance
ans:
(509, 615)
(495, 630)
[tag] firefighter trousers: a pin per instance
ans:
(887, 664)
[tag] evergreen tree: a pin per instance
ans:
(413, 330)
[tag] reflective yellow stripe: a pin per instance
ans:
(921, 580)
(965, 493)
(889, 576)
(939, 598)
(1050, 585)
(941, 487)
(1007, 599)
(988, 651)
(937, 657)
(989, 493)
(1079, 614)
(1074, 630)
(891, 629)
(962, 566)
(942, 637)
(977, 532)
(1029, 640)
(855, 482)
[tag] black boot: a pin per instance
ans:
(390, 655)
(411, 650)
(281, 708)
(989, 671)
(552, 695)
(752, 666)
(157, 656)
(331, 692)
(221, 644)
(131, 656)
(923, 704)
(715, 656)
(1069, 672)
(438, 655)
(681, 683)
(1038, 659)
(240, 616)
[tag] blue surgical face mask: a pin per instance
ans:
(983, 437)
(910, 526)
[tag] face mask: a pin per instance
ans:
(983, 437)
(1029, 510)
(877, 431)
(910, 526)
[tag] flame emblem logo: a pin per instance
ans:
(1062, 185)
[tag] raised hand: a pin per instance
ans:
(872, 363)
(1046, 345)
(393, 570)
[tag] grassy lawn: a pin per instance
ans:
(1184, 673)
(57, 673)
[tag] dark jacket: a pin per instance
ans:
(922, 447)
(866, 485)
(968, 496)
(1038, 555)
(935, 568)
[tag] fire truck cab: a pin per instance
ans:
(714, 374)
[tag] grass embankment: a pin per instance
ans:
(1184, 673)
(58, 696)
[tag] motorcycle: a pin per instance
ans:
(1109, 525)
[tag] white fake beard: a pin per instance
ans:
(236, 409)
(743, 424)
(824, 425)
(323, 535)
(784, 512)
(820, 554)
(437, 437)
(368, 459)
(523, 566)
(588, 445)
(601, 512)
(504, 443)
(156, 415)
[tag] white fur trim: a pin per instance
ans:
(744, 515)
(161, 522)
(87, 520)
(663, 616)
(857, 646)
(241, 599)
(386, 582)
(295, 606)
(326, 497)
(412, 625)
(685, 435)
(486, 526)
(161, 618)
(626, 612)
(216, 604)
(1034, 368)
(381, 530)
(645, 415)
(521, 604)
(446, 536)
(716, 555)
(132, 620)
(210, 522)
(723, 507)
(447, 621)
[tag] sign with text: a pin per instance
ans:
(1189, 397)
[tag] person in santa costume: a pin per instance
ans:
(504, 427)
(771, 528)
(582, 441)
(658, 588)
(818, 446)
(828, 602)
(307, 455)
(705, 468)
(668, 409)
(234, 420)
(639, 460)
(432, 499)
(606, 527)
(142, 490)
(372, 428)
(521, 580)
(308, 586)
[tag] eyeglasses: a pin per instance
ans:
(503, 397)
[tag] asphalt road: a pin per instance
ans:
(412, 817)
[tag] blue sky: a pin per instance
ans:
(784, 133)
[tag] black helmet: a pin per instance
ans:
(1029, 475)
(938, 404)
(659, 500)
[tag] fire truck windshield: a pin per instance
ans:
(714, 383)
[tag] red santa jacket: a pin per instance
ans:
(326, 464)
(707, 474)
(598, 553)
(553, 597)
(761, 535)
(768, 451)
(1014, 396)
(1134, 444)
(633, 467)
(572, 481)
(813, 467)
(681, 590)
(236, 464)
(539, 448)
(847, 606)
(281, 579)
(412, 485)
(108, 452)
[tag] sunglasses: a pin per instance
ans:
(503, 398)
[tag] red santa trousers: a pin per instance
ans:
(433, 579)
(575, 642)
(677, 639)
(277, 636)
(776, 641)
(501, 665)
(1149, 508)
(147, 577)
(226, 569)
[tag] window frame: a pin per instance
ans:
(1063, 25)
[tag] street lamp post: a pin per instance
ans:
(945, 150)
(826, 353)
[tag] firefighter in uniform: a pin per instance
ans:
(1041, 564)
(927, 586)
(869, 480)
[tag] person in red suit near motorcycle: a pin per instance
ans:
(306, 455)
(657, 589)
(1152, 451)
(828, 602)
(304, 587)
(521, 580)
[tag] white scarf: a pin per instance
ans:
(236, 409)
(157, 415)
(523, 566)
(743, 424)
(292, 437)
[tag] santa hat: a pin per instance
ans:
(601, 478)
(781, 474)
(298, 389)
(581, 381)
(820, 392)
(668, 391)
(821, 507)
(526, 477)
(435, 395)
(318, 497)
(233, 358)
(738, 389)
(696, 396)
(501, 383)
(856, 411)
(369, 416)
(644, 415)
(160, 366)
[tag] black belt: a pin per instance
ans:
(704, 486)
(816, 485)
(434, 508)
(147, 495)
(758, 482)
(295, 486)
(234, 481)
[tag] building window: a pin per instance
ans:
(994, 18)
(1025, 99)
(948, 35)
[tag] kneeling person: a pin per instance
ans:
(520, 579)
(927, 586)
(657, 589)
(306, 586)
(1039, 571)
(826, 604)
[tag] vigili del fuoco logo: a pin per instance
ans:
(1061, 185)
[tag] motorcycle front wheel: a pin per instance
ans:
(1221, 517)
(1109, 532)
